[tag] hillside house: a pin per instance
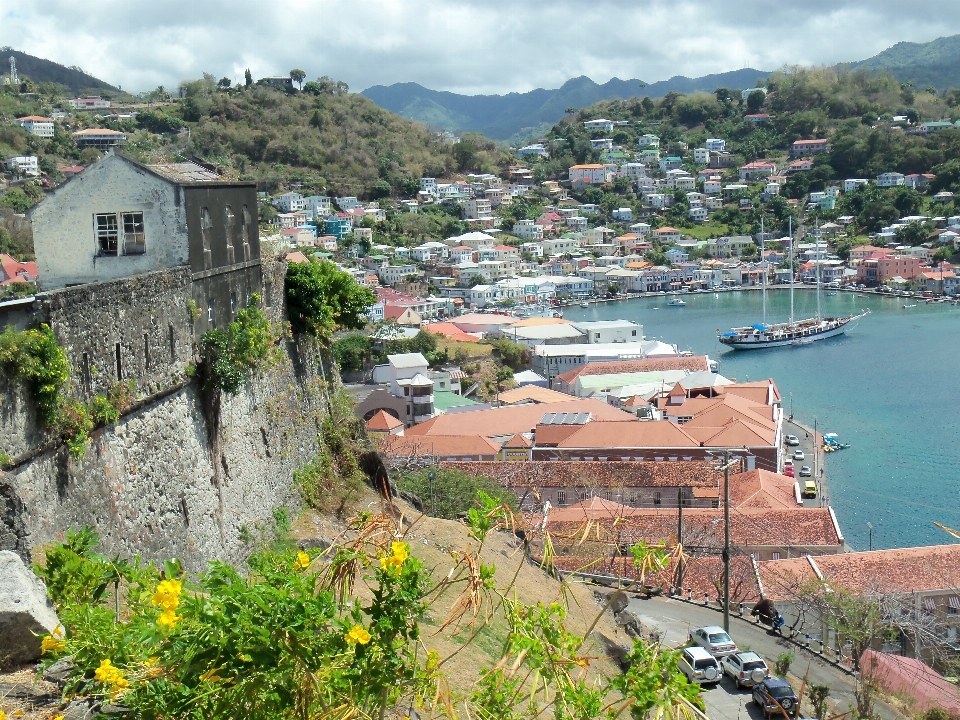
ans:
(802, 148)
(36, 125)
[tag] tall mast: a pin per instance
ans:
(791, 269)
(817, 240)
(763, 270)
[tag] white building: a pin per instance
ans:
(534, 150)
(622, 214)
(648, 141)
(712, 187)
(430, 251)
(346, 204)
(576, 222)
(698, 214)
(853, 183)
(428, 185)
(716, 145)
(408, 380)
(527, 230)
(390, 274)
(610, 331)
(476, 209)
(316, 206)
(25, 164)
(88, 103)
(701, 156)
(534, 249)
(594, 173)
(289, 202)
(634, 170)
(602, 143)
(36, 125)
(600, 124)
(890, 179)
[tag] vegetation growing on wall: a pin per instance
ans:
(322, 299)
(247, 345)
(334, 477)
(34, 357)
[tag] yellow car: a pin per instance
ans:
(809, 489)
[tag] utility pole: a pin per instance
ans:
(726, 541)
(816, 449)
(680, 539)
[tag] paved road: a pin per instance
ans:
(675, 619)
(807, 445)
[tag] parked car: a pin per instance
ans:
(805, 471)
(809, 489)
(792, 440)
(798, 455)
(788, 471)
(772, 694)
(714, 640)
(746, 668)
(699, 666)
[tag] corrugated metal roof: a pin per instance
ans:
(185, 172)
(563, 418)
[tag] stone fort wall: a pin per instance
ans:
(154, 483)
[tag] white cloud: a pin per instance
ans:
(464, 46)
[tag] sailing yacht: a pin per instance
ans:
(799, 332)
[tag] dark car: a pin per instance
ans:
(776, 697)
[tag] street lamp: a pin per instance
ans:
(791, 406)
(870, 526)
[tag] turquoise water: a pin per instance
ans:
(889, 387)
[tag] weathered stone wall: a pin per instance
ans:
(159, 482)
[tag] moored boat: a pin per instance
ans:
(760, 336)
(676, 302)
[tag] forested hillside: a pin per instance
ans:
(36, 69)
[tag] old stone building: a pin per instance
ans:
(120, 219)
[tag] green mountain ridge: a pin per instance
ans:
(933, 64)
(42, 70)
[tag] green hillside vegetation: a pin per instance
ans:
(72, 79)
(853, 109)
(936, 63)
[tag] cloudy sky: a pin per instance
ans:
(466, 46)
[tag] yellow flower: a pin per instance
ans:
(303, 561)
(168, 619)
(51, 644)
(110, 675)
(357, 635)
(3, 715)
(393, 563)
(167, 598)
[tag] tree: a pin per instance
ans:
(913, 234)
(942, 255)
(755, 101)
(477, 280)
(321, 298)
(351, 351)
(817, 695)
(224, 84)
(466, 155)
(298, 76)
(247, 78)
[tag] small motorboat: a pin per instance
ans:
(584, 304)
(910, 306)
(676, 302)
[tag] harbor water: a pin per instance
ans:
(889, 387)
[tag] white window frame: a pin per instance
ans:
(124, 231)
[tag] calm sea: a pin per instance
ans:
(889, 387)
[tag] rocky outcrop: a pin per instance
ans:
(26, 613)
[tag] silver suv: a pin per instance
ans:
(699, 666)
(746, 668)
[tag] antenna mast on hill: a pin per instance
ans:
(14, 78)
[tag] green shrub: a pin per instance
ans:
(783, 663)
(33, 356)
(451, 492)
(321, 298)
(351, 351)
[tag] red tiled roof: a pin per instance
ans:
(809, 142)
(532, 393)
(507, 421)
(518, 441)
(903, 570)
(693, 364)
(562, 473)
(383, 421)
(297, 257)
(610, 436)
(440, 445)
(15, 271)
(35, 118)
(451, 331)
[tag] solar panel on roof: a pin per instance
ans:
(578, 418)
